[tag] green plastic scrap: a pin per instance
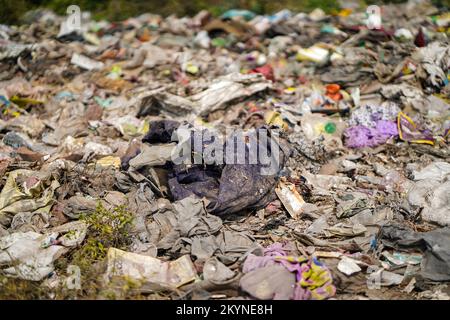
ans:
(103, 102)
(24, 102)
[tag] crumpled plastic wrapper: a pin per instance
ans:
(434, 62)
(312, 280)
(33, 193)
(148, 269)
(24, 257)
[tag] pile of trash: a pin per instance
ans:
(286, 156)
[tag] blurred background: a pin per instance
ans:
(12, 11)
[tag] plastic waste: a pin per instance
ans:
(316, 125)
(315, 54)
(85, 62)
(246, 14)
(348, 266)
(291, 199)
(148, 269)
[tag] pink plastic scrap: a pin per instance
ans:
(313, 279)
(411, 132)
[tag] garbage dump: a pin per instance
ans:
(240, 156)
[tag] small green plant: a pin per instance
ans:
(106, 228)
(109, 227)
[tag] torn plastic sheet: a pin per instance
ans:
(229, 88)
(231, 187)
(148, 269)
(409, 131)
(22, 255)
(183, 218)
(436, 261)
(86, 63)
(216, 178)
(438, 170)
(184, 226)
(76, 206)
(291, 199)
(430, 196)
(155, 155)
(434, 63)
(371, 125)
(228, 246)
(352, 204)
(312, 280)
(29, 194)
(167, 104)
(273, 282)
(129, 125)
(216, 272)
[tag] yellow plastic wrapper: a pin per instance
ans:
(274, 118)
(109, 161)
(315, 54)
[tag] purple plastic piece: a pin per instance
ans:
(362, 136)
